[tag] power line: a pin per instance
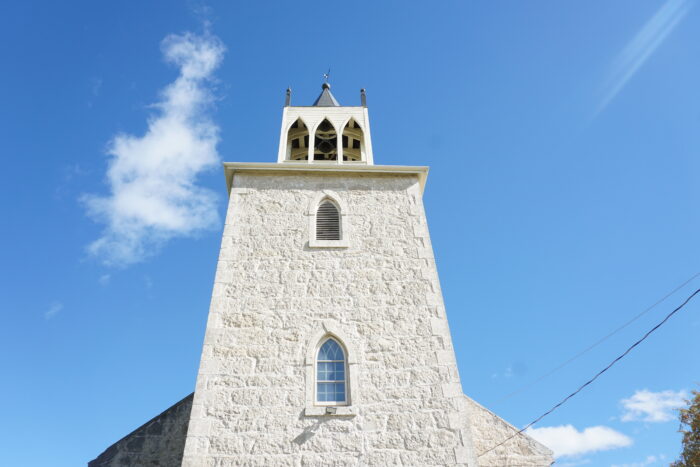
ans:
(629, 349)
(596, 343)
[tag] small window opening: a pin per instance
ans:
(327, 221)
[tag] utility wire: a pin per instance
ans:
(596, 343)
(629, 349)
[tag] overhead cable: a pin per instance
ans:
(629, 349)
(596, 343)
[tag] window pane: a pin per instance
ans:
(339, 392)
(330, 392)
(325, 370)
(330, 350)
(339, 371)
(325, 392)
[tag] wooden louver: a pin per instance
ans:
(327, 222)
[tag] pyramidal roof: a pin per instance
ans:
(326, 99)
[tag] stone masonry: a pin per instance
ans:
(489, 430)
(158, 442)
(273, 294)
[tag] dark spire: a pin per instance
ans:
(326, 99)
(288, 98)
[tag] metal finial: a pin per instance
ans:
(288, 99)
(327, 75)
(363, 97)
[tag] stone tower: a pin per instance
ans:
(327, 341)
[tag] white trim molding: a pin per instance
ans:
(231, 168)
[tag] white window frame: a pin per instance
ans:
(311, 212)
(345, 372)
(347, 408)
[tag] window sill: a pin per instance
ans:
(329, 243)
(320, 411)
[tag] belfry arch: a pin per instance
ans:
(298, 141)
(353, 142)
(325, 142)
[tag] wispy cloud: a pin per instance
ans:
(104, 279)
(650, 460)
(53, 310)
(514, 370)
(95, 88)
(653, 407)
(565, 440)
(575, 463)
(152, 178)
(508, 373)
(642, 46)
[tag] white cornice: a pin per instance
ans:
(231, 167)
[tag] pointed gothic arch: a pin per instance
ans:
(328, 225)
(328, 221)
(353, 142)
(298, 141)
(318, 397)
(331, 371)
(325, 142)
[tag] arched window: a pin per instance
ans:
(331, 373)
(298, 142)
(325, 142)
(327, 221)
(331, 382)
(353, 142)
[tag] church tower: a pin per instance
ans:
(327, 341)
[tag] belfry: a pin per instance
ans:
(327, 341)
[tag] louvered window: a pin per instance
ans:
(327, 222)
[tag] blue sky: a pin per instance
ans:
(562, 199)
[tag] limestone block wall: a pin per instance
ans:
(489, 430)
(159, 442)
(274, 295)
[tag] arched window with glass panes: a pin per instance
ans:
(331, 374)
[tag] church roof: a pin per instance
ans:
(326, 99)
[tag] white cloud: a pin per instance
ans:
(655, 407)
(565, 440)
(642, 46)
(650, 460)
(152, 178)
(104, 279)
(53, 310)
